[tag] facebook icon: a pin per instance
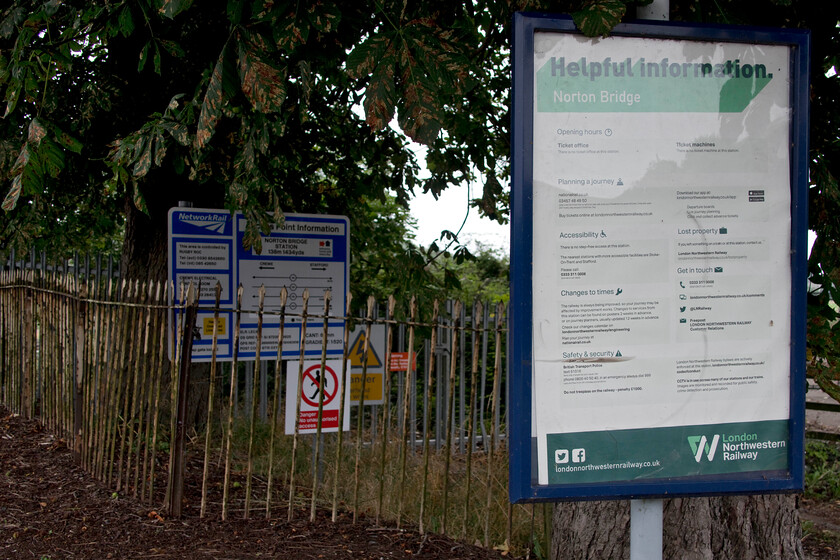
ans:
(578, 455)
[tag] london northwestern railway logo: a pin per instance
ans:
(700, 445)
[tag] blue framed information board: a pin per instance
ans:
(306, 253)
(659, 247)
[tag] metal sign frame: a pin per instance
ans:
(524, 479)
(307, 252)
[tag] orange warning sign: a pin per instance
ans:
(399, 361)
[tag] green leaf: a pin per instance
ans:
(179, 164)
(4, 70)
(52, 158)
(171, 8)
(324, 18)
(12, 97)
(211, 108)
(234, 11)
(291, 35)
(144, 56)
(172, 48)
(12, 21)
(247, 158)
(126, 22)
(363, 59)
(598, 17)
(156, 59)
(178, 131)
(239, 193)
(263, 84)
(419, 114)
(52, 6)
(492, 190)
(68, 142)
(306, 79)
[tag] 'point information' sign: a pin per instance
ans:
(659, 237)
(307, 252)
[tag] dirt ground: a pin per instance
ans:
(51, 509)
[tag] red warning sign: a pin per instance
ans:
(311, 389)
(399, 361)
(314, 387)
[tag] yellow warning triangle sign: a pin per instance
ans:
(357, 353)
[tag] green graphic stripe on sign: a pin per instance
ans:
(681, 451)
(639, 85)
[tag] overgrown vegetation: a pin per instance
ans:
(822, 470)
(515, 528)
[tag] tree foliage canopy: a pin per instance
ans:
(113, 111)
(252, 104)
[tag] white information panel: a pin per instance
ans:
(661, 256)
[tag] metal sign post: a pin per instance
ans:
(646, 515)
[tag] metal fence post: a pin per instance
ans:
(176, 486)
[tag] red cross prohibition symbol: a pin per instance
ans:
(311, 385)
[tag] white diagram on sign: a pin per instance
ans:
(317, 277)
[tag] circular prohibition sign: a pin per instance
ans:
(311, 385)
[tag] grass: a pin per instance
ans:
(519, 529)
(822, 470)
(823, 538)
(822, 484)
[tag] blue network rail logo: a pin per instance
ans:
(218, 223)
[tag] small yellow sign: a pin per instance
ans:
(373, 387)
(208, 326)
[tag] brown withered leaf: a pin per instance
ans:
(143, 155)
(419, 112)
(37, 131)
(139, 199)
(381, 96)
(598, 17)
(263, 84)
(421, 68)
(22, 159)
(211, 108)
(171, 8)
(160, 149)
(13, 195)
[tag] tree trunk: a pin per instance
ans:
(144, 258)
(144, 245)
(742, 527)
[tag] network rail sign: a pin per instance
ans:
(305, 253)
(659, 243)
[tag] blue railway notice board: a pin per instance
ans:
(305, 253)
